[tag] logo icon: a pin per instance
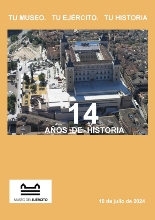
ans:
(30, 191)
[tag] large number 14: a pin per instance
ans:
(86, 116)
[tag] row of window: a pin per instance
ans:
(84, 79)
(87, 78)
(96, 73)
(81, 56)
(96, 77)
(106, 66)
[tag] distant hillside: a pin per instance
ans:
(13, 32)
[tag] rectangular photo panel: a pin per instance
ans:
(77, 82)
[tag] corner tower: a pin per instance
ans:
(69, 72)
(63, 43)
(104, 40)
(116, 69)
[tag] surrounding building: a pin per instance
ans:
(53, 53)
(143, 102)
(132, 121)
(136, 81)
(111, 122)
(27, 123)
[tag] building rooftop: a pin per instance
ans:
(132, 118)
(96, 42)
(105, 53)
(144, 97)
(99, 61)
(139, 79)
(57, 98)
(23, 129)
(90, 98)
(109, 121)
(86, 47)
(100, 87)
(104, 56)
(40, 121)
(94, 90)
(53, 50)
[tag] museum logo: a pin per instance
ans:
(30, 191)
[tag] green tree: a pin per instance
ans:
(30, 36)
(14, 38)
(31, 39)
(13, 97)
(26, 78)
(29, 32)
(11, 103)
(42, 77)
(11, 50)
(33, 87)
(71, 124)
(12, 65)
(44, 43)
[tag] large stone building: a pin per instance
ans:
(92, 76)
(87, 62)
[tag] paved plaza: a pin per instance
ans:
(26, 52)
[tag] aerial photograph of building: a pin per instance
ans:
(50, 71)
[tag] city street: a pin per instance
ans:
(19, 75)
